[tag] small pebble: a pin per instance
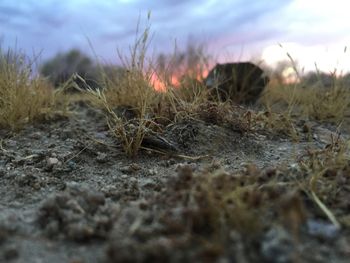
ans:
(133, 180)
(128, 169)
(11, 143)
(52, 161)
(152, 171)
(36, 135)
(101, 157)
(325, 231)
(71, 164)
(147, 183)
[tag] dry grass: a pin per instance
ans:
(135, 89)
(24, 97)
(302, 100)
(324, 104)
(326, 176)
(183, 102)
(130, 132)
(285, 104)
(132, 89)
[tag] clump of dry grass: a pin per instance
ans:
(130, 132)
(182, 75)
(183, 102)
(326, 177)
(315, 101)
(132, 89)
(324, 104)
(269, 121)
(332, 104)
(24, 97)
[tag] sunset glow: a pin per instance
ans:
(175, 79)
(333, 58)
(157, 83)
(313, 31)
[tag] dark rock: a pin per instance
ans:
(241, 82)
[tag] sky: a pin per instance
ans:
(311, 31)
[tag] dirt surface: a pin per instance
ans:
(69, 194)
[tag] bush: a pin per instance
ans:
(60, 68)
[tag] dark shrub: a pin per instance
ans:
(60, 68)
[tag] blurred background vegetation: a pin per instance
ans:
(193, 62)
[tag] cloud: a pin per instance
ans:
(226, 25)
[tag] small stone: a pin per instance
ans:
(101, 157)
(51, 162)
(294, 166)
(133, 180)
(36, 135)
(152, 171)
(135, 167)
(322, 230)
(100, 135)
(71, 165)
(130, 168)
(11, 143)
(147, 183)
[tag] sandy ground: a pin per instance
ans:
(69, 194)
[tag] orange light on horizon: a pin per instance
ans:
(175, 80)
(204, 74)
(157, 84)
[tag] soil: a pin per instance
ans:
(68, 193)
